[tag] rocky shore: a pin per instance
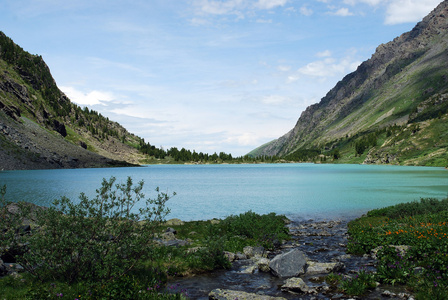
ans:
(296, 270)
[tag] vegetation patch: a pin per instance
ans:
(411, 244)
(103, 248)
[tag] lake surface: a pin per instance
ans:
(299, 191)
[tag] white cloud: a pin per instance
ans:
(342, 12)
(369, 2)
(270, 4)
(304, 10)
(275, 99)
(325, 53)
(284, 68)
(405, 11)
(234, 7)
(244, 139)
(219, 7)
(329, 67)
(87, 99)
(400, 11)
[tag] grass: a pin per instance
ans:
(423, 226)
(209, 240)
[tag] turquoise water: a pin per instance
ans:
(300, 191)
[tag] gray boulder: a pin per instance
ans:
(296, 285)
(289, 264)
(314, 268)
(220, 294)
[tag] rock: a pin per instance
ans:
(172, 230)
(323, 268)
(263, 264)
(402, 250)
(249, 270)
(240, 256)
(168, 236)
(83, 144)
(220, 294)
(289, 264)
(174, 222)
(230, 256)
(297, 285)
(250, 251)
(215, 221)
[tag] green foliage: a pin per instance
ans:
(266, 230)
(420, 225)
(401, 210)
(358, 285)
(394, 266)
(303, 155)
(94, 239)
(209, 257)
(365, 143)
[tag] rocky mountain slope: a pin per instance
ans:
(392, 109)
(41, 128)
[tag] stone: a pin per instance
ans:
(230, 256)
(174, 222)
(250, 251)
(249, 270)
(168, 236)
(289, 264)
(263, 265)
(172, 230)
(240, 256)
(402, 250)
(296, 285)
(323, 268)
(221, 294)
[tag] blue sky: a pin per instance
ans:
(207, 75)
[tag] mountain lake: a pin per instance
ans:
(299, 191)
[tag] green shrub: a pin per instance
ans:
(359, 284)
(266, 230)
(94, 239)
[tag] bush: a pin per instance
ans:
(95, 239)
(266, 230)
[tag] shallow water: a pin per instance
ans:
(321, 242)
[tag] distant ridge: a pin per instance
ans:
(401, 88)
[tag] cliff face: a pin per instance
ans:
(41, 128)
(384, 90)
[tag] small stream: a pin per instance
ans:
(323, 241)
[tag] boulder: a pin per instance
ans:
(296, 285)
(401, 249)
(289, 264)
(174, 222)
(263, 264)
(323, 268)
(172, 230)
(250, 251)
(230, 256)
(220, 294)
(249, 270)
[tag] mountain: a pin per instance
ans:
(392, 109)
(40, 128)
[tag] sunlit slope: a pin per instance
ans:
(404, 83)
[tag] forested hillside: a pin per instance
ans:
(42, 128)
